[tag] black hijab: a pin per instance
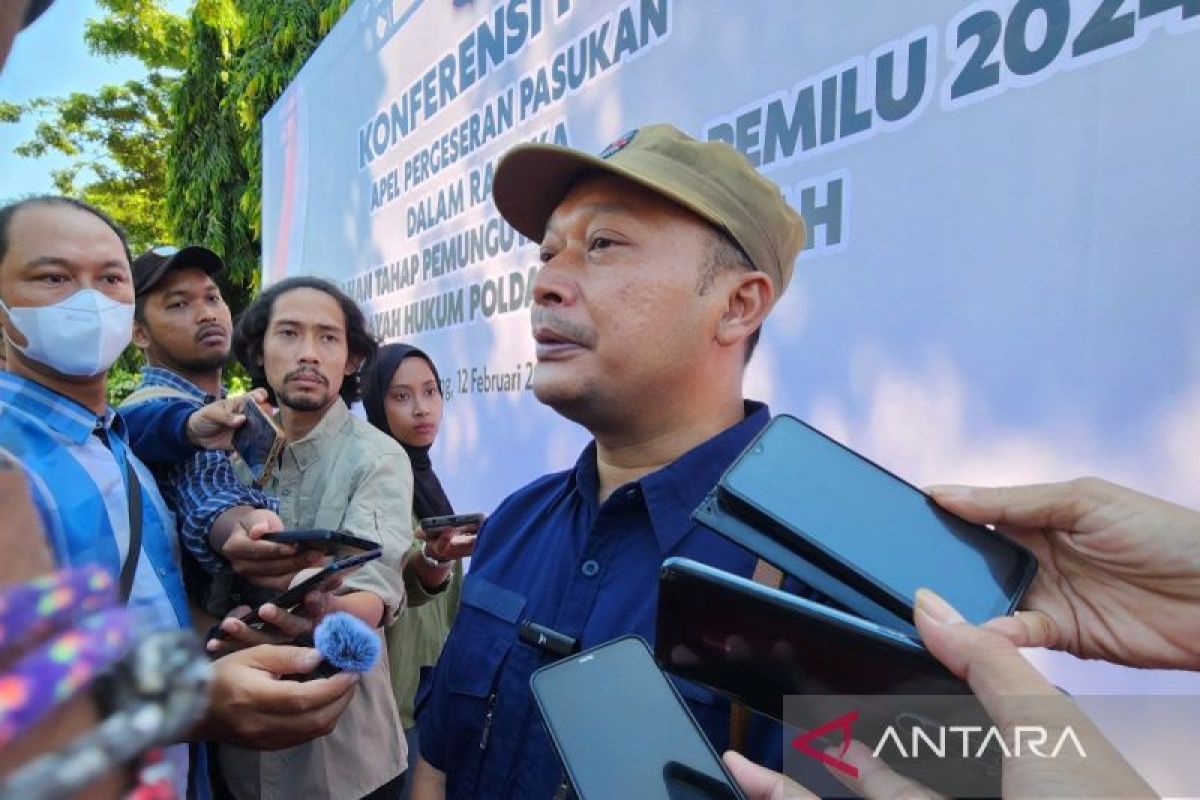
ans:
(429, 499)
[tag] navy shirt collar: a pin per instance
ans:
(671, 493)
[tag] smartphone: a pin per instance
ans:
(805, 664)
(259, 442)
(622, 730)
(756, 645)
(290, 598)
(432, 524)
(869, 528)
(820, 585)
(333, 542)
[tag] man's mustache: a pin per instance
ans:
(563, 329)
(207, 329)
(303, 371)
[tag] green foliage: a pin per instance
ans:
(142, 29)
(124, 375)
(177, 156)
(205, 173)
(116, 138)
(237, 381)
(244, 53)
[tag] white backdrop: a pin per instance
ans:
(1002, 282)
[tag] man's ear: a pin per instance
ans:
(9, 330)
(353, 363)
(749, 296)
(141, 337)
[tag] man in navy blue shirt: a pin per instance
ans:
(660, 260)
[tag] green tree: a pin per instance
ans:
(176, 156)
(116, 138)
(244, 53)
(206, 176)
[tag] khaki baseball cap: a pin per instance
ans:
(711, 179)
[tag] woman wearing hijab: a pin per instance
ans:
(402, 396)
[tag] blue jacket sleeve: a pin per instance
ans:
(201, 490)
(158, 431)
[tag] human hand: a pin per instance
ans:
(1118, 571)
(253, 707)
(449, 544)
(760, 783)
(266, 564)
(280, 625)
(213, 426)
(1014, 694)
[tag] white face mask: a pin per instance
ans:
(82, 335)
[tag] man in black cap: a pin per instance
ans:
(183, 328)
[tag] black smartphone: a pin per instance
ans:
(806, 664)
(756, 645)
(433, 524)
(332, 542)
(622, 730)
(258, 441)
(290, 598)
(869, 528)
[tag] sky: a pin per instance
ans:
(51, 59)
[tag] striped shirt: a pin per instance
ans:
(203, 485)
(79, 487)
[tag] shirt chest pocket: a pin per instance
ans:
(485, 633)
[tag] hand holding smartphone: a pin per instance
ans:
(875, 535)
(450, 537)
(431, 526)
(775, 652)
(291, 598)
(258, 442)
(338, 543)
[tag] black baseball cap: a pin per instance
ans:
(150, 266)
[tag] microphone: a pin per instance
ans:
(347, 643)
(548, 639)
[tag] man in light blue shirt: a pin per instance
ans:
(66, 310)
(65, 287)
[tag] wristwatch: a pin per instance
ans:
(432, 560)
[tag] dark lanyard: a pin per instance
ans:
(133, 493)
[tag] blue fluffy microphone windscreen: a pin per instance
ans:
(347, 642)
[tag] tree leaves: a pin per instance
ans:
(142, 29)
(243, 55)
(177, 155)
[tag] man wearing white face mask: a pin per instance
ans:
(66, 301)
(66, 311)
